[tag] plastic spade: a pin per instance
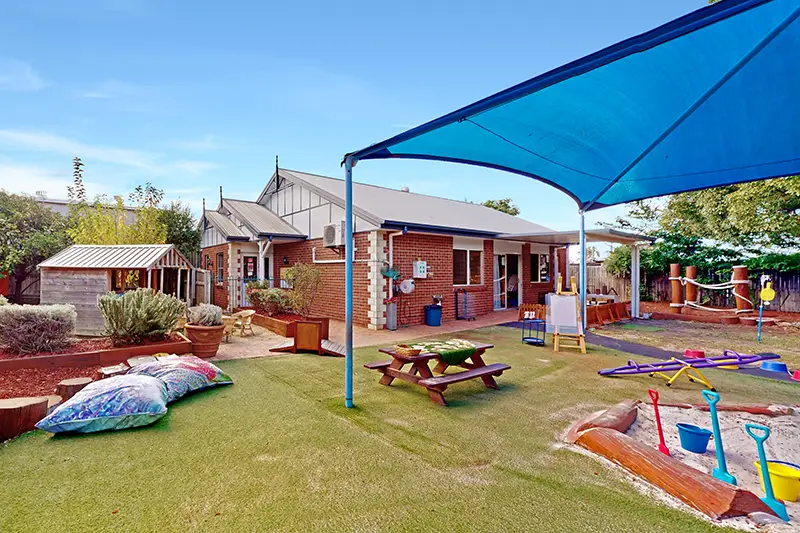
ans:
(721, 472)
(769, 499)
(662, 446)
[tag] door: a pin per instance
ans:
(500, 282)
(512, 282)
(249, 273)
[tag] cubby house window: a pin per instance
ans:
(540, 268)
(467, 267)
(220, 268)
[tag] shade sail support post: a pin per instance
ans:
(348, 274)
(739, 65)
(582, 273)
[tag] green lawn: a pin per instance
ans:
(278, 451)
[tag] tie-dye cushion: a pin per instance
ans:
(183, 374)
(117, 402)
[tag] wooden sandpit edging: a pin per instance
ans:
(603, 433)
(108, 356)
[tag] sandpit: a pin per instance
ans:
(740, 449)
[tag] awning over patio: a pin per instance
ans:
(708, 99)
(565, 238)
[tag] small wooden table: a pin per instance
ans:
(421, 374)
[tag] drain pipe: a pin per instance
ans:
(391, 256)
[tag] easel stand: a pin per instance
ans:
(570, 340)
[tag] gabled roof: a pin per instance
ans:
(224, 225)
(393, 208)
(260, 220)
(128, 256)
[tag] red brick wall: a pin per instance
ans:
(531, 292)
(220, 290)
(330, 300)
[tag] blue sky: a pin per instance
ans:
(194, 95)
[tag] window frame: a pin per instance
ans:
(220, 268)
(538, 269)
(469, 252)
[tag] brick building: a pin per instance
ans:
(456, 247)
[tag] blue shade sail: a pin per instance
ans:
(712, 98)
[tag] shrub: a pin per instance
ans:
(305, 280)
(205, 315)
(269, 301)
(29, 329)
(3, 300)
(137, 315)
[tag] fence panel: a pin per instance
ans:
(597, 277)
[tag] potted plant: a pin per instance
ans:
(205, 329)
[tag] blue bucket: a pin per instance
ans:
(775, 366)
(693, 439)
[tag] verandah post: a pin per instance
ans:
(348, 275)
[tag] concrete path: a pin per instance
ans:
(260, 344)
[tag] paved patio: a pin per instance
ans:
(260, 344)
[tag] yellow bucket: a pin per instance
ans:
(785, 480)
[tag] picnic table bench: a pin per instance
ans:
(421, 374)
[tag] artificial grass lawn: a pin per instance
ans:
(278, 451)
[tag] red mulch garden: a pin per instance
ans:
(39, 381)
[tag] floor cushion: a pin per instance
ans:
(183, 375)
(117, 402)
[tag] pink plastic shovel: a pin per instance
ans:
(662, 446)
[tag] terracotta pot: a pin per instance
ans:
(205, 339)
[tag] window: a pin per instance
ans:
(540, 268)
(220, 268)
(467, 267)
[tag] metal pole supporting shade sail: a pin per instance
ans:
(706, 100)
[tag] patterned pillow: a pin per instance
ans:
(183, 374)
(117, 402)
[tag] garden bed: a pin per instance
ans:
(39, 381)
(284, 324)
(101, 355)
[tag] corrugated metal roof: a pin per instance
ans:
(113, 256)
(223, 224)
(260, 219)
(411, 208)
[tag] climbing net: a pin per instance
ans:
(728, 285)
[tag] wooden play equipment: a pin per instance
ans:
(309, 338)
(739, 285)
(573, 340)
(70, 387)
(19, 415)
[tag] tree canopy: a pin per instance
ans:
(29, 234)
(506, 205)
(182, 228)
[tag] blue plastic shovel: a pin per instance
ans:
(721, 472)
(769, 499)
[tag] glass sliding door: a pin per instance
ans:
(500, 282)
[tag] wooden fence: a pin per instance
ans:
(597, 278)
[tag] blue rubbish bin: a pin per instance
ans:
(433, 315)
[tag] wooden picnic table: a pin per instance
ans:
(421, 374)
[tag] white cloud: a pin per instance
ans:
(18, 76)
(209, 142)
(112, 89)
(150, 162)
(194, 167)
(22, 179)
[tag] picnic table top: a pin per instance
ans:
(480, 346)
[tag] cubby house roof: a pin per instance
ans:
(391, 208)
(128, 256)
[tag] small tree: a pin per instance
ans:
(505, 205)
(182, 228)
(29, 234)
(305, 281)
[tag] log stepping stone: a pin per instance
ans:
(19, 415)
(69, 387)
(115, 370)
(133, 361)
